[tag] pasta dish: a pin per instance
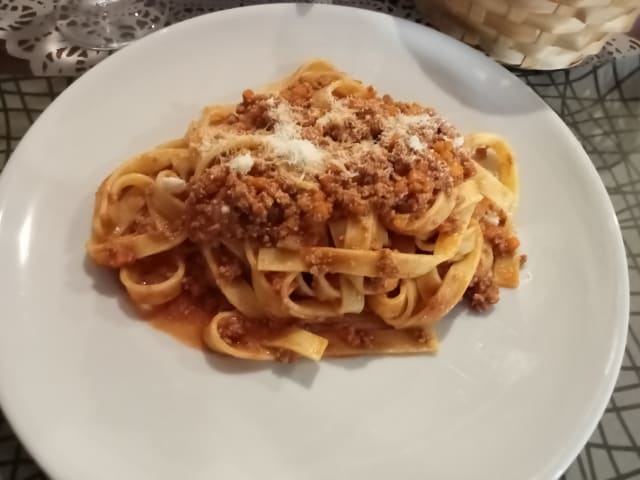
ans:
(314, 218)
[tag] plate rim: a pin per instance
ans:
(29, 441)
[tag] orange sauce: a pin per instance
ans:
(182, 319)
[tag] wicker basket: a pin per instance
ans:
(536, 34)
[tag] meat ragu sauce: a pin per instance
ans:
(182, 318)
(186, 316)
(309, 173)
(270, 209)
(380, 172)
(154, 269)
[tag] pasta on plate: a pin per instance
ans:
(314, 218)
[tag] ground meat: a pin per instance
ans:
(419, 334)
(233, 330)
(468, 167)
(483, 292)
(229, 266)
(383, 183)
(502, 241)
(386, 177)
(318, 261)
(263, 206)
(253, 112)
(386, 267)
(300, 94)
(356, 338)
(373, 106)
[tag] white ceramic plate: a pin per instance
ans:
(94, 393)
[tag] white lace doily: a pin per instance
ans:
(29, 29)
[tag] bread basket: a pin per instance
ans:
(533, 34)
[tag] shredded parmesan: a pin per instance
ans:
(492, 218)
(172, 185)
(297, 152)
(285, 126)
(422, 121)
(287, 143)
(458, 141)
(242, 163)
(338, 114)
(401, 126)
(210, 138)
(415, 144)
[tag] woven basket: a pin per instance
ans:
(535, 34)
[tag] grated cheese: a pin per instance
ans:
(297, 152)
(338, 114)
(286, 126)
(242, 163)
(400, 126)
(492, 218)
(415, 144)
(286, 141)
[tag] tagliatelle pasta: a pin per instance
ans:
(314, 218)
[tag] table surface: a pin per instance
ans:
(601, 105)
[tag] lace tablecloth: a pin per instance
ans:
(29, 31)
(600, 102)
